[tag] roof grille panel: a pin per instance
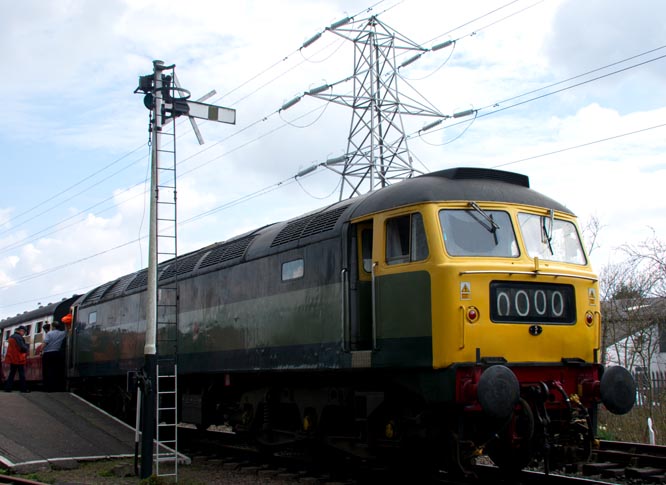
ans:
(183, 265)
(292, 231)
(309, 226)
(323, 222)
(141, 279)
(119, 286)
(97, 293)
(227, 251)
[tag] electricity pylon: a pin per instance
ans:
(377, 150)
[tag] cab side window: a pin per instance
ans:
(366, 249)
(405, 239)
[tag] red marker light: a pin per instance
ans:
(472, 314)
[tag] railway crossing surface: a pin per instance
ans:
(42, 430)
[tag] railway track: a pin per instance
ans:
(613, 463)
(636, 461)
(492, 475)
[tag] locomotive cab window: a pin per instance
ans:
(478, 232)
(92, 318)
(366, 249)
(292, 270)
(405, 239)
(551, 239)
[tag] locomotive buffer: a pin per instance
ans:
(158, 389)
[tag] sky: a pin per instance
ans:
(569, 93)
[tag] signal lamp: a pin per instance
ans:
(472, 314)
(589, 319)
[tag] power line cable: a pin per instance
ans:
(17, 244)
(500, 109)
(582, 145)
(64, 201)
(68, 264)
(548, 93)
(576, 76)
(226, 205)
(477, 115)
(476, 31)
(44, 232)
(58, 225)
(573, 85)
(291, 180)
(44, 298)
(472, 33)
(469, 22)
(237, 102)
(76, 184)
(227, 93)
(63, 191)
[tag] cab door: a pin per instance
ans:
(402, 290)
(361, 307)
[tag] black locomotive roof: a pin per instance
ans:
(457, 184)
(464, 184)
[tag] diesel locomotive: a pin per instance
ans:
(448, 315)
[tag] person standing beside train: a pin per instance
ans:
(16, 356)
(53, 358)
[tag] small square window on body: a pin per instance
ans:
(292, 270)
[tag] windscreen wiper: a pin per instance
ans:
(547, 232)
(488, 217)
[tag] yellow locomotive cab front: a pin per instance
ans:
(512, 284)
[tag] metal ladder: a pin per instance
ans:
(166, 386)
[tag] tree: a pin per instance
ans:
(633, 293)
(591, 233)
(650, 256)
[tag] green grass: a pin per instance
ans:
(632, 427)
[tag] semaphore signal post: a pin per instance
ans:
(157, 397)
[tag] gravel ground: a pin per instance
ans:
(202, 471)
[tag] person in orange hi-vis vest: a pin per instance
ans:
(17, 351)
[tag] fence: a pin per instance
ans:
(650, 386)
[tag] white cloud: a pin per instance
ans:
(73, 65)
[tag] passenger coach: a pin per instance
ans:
(34, 322)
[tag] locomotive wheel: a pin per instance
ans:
(513, 450)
